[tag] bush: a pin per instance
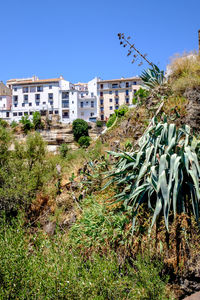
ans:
(3, 123)
(13, 124)
(37, 122)
(121, 111)
(26, 124)
(140, 96)
(111, 120)
(84, 141)
(80, 128)
(63, 150)
(99, 123)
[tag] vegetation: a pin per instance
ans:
(99, 123)
(111, 120)
(123, 109)
(84, 141)
(152, 77)
(164, 173)
(37, 122)
(26, 124)
(80, 128)
(63, 150)
(140, 96)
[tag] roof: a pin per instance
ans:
(120, 79)
(32, 81)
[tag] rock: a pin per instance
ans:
(195, 296)
(49, 228)
(193, 108)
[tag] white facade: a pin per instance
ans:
(5, 107)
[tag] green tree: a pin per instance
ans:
(80, 128)
(37, 121)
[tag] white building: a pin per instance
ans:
(5, 102)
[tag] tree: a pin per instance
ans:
(80, 128)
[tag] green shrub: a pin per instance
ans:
(99, 123)
(63, 150)
(3, 123)
(111, 120)
(121, 111)
(140, 96)
(84, 141)
(37, 122)
(163, 174)
(13, 124)
(80, 128)
(26, 124)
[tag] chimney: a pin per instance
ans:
(199, 41)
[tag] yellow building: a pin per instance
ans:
(115, 92)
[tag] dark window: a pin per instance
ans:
(32, 89)
(7, 114)
(81, 104)
(26, 113)
(127, 100)
(110, 100)
(92, 103)
(116, 101)
(30, 104)
(102, 109)
(50, 96)
(101, 86)
(102, 117)
(20, 114)
(56, 112)
(115, 85)
(50, 112)
(15, 89)
(127, 84)
(92, 94)
(135, 83)
(30, 113)
(111, 107)
(126, 92)
(91, 114)
(25, 97)
(101, 101)
(15, 105)
(101, 94)
(110, 92)
(37, 96)
(25, 89)
(116, 93)
(39, 88)
(37, 103)
(51, 102)
(134, 91)
(65, 103)
(65, 114)
(50, 87)
(23, 104)
(44, 102)
(65, 95)
(116, 107)
(15, 98)
(14, 114)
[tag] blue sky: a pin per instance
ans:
(78, 39)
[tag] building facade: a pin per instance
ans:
(113, 93)
(97, 99)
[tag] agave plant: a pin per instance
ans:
(152, 77)
(163, 173)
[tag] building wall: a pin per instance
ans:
(112, 94)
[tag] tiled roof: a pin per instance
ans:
(120, 79)
(22, 82)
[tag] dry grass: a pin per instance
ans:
(184, 72)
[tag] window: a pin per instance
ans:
(92, 94)
(37, 103)
(15, 98)
(102, 109)
(25, 89)
(50, 95)
(51, 102)
(15, 89)
(127, 100)
(116, 107)
(134, 91)
(116, 101)
(91, 114)
(110, 100)
(30, 104)
(81, 104)
(25, 97)
(44, 102)
(110, 92)
(7, 114)
(15, 105)
(126, 92)
(37, 96)
(101, 101)
(127, 84)
(101, 94)
(51, 112)
(102, 117)
(92, 103)
(50, 87)
(32, 89)
(39, 88)
(101, 86)
(81, 95)
(23, 104)
(56, 112)
(65, 114)
(72, 102)
(111, 107)
(116, 93)
(65, 95)
(65, 103)
(135, 83)
(14, 114)
(20, 114)
(114, 85)
(30, 113)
